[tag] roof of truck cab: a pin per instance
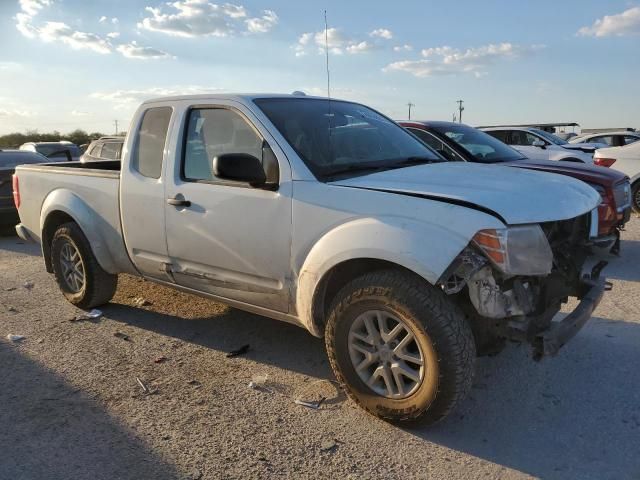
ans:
(239, 97)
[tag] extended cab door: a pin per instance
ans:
(142, 196)
(225, 237)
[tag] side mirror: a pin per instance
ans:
(539, 144)
(239, 167)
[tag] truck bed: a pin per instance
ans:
(89, 193)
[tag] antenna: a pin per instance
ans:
(410, 105)
(326, 49)
(460, 109)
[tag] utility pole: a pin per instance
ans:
(116, 123)
(460, 109)
(410, 105)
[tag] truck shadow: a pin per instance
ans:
(55, 431)
(574, 416)
(10, 242)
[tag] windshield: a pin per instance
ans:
(335, 137)
(550, 137)
(57, 150)
(483, 147)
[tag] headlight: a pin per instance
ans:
(521, 250)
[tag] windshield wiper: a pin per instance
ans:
(417, 161)
(379, 166)
(356, 168)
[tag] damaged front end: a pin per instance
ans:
(512, 282)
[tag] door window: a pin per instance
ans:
(630, 139)
(95, 150)
(520, 137)
(438, 145)
(212, 132)
(111, 151)
(149, 146)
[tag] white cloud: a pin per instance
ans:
(115, 20)
(58, 31)
(451, 61)
(402, 48)
(262, 24)
(32, 7)
(77, 113)
(382, 33)
(625, 23)
(201, 18)
(63, 33)
(133, 50)
(16, 113)
(128, 98)
(337, 41)
(10, 66)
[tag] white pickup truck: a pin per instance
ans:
(328, 215)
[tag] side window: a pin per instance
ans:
(520, 137)
(501, 135)
(111, 151)
(95, 150)
(608, 139)
(630, 139)
(212, 132)
(427, 138)
(149, 146)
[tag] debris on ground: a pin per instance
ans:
(15, 338)
(10, 289)
(141, 302)
(328, 445)
(12, 309)
(121, 335)
(259, 382)
(240, 351)
(144, 387)
(28, 285)
(92, 315)
(195, 383)
(313, 404)
(159, 359)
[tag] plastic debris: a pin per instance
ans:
(10, 289)
(121, 335)
(259, 382)
(28, 285)
(144, 387)
(15, 338)
(141, 302)
(314, 405)
(240, 351)
(12, 309)
(160, 359)
(328, 445)
(92, 315)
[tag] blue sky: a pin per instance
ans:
(73, 63)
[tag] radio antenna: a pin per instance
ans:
(326, 49)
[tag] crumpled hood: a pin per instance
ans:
(517, 195)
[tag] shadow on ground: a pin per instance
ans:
(573, 416)
(51, 430)
(10, 242)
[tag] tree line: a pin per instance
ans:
(79, 137)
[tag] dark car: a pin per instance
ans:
(459, 142)
(54, 151)
(9, 159)
(103, 149)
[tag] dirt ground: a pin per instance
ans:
(71, 407)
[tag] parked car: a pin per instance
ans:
(540, 145)
(459, 142)
(9, 160)
(328, 215)
(627, 160)
(610, 139)
(55, 151)
(565, 135)
(103, 149)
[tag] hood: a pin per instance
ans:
(517, 195)
(586, 172)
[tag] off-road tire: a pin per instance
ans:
(99, 286)
(436, 322)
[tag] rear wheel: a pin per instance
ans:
(79, 275)
(400, 347)
(635, 197)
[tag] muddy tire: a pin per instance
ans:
(80, 277)
(399, 347)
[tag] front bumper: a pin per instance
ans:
(559, 333)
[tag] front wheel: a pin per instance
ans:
(400, 348)
(82, 280)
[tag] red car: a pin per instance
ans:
(459, 142)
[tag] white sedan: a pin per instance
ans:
(627, 160)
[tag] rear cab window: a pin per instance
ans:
(151, 137)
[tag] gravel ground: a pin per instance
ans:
(71, 407)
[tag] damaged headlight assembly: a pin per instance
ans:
(518, 250)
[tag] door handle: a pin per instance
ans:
(178, 201)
